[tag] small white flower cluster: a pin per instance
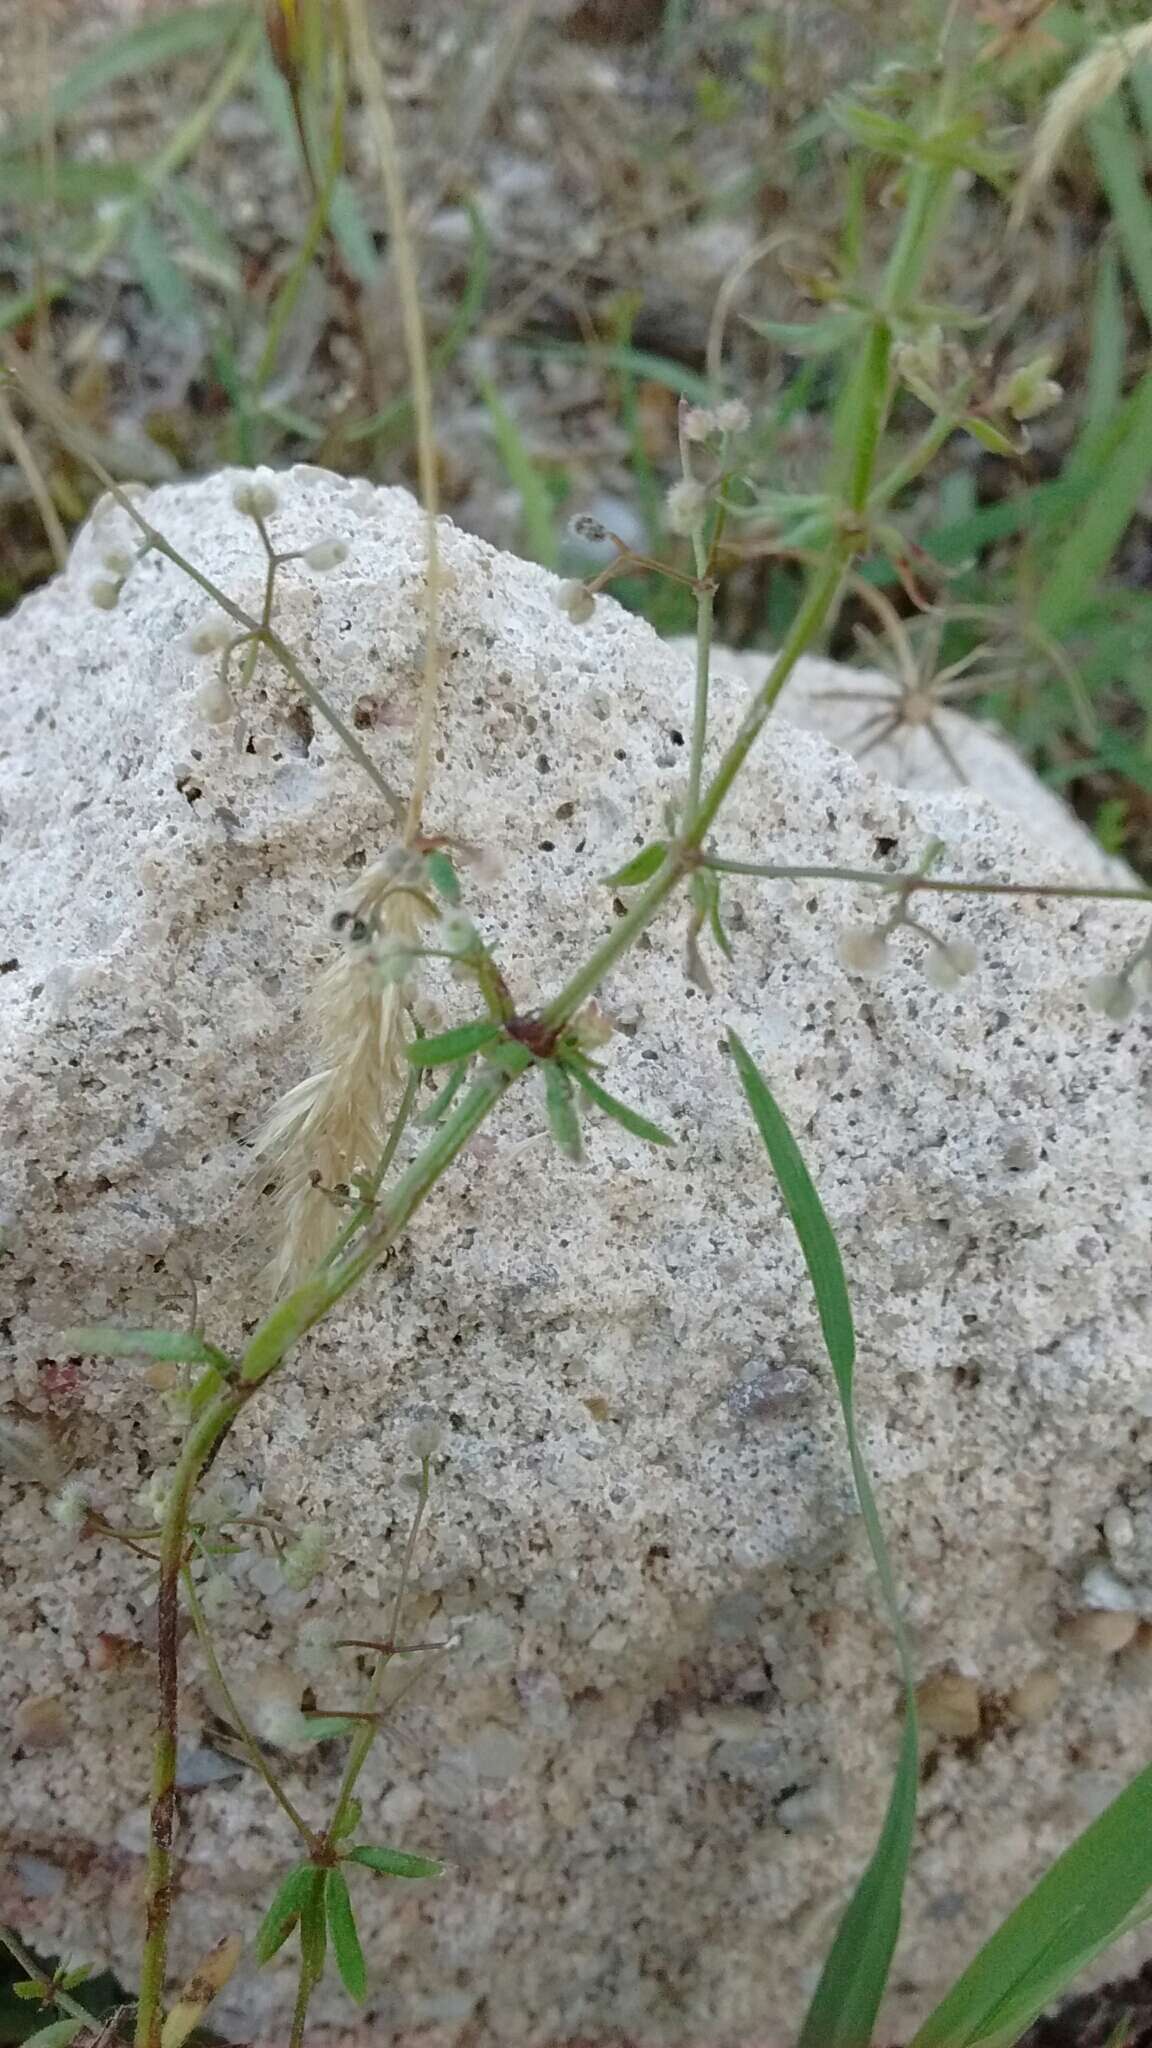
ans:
(702, 423)
(1120, 994)
(303, 1560)
(424, 1438)
(866, 950)
(325, 554)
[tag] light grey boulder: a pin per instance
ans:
(657, 1756)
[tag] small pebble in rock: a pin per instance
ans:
(1102, 1629)
(949, 1704)
(41, 1722)
(1034, 1698)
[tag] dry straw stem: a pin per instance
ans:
(1089, 83)
(12, 432)
(373, 87)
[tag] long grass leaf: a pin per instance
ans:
(847, 1998)
(1099, 1888)
(1119, 162)
(1086, 552)
(162, 40)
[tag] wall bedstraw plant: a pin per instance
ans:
(362, 1096)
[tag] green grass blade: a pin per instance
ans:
(164, 39)
(640, 362)
(847, 1998)
(57, 2034)
(1120, 167)
(345, 1939)
(1120, 480)
(1109, 350)
(1094, 1892)
(535, 498)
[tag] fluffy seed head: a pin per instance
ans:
(303, 1559)
(575, 599)
(864, 949)
(1111, 995)
(684, 505)
(947, 965)
(70, 1507)
(214, 702)
(584, 527)
(456, 934)
(256, 497)
(733, 416)
(697, 422)
(424, 1438)
(326, 554)
(210, 634)
(118, 560)
(104, 593)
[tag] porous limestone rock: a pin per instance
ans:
(657, 1754)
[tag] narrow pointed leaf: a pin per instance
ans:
(345, 1940)
(104, 1340)
(509, 1055)
(394, 1862)
(1099, 1888)
(313, 1927)
(283, 1913)
(457, 1044)
(640, 868)
(847, 1998)
(563, 1116)
(630, 1118)
(57, 2035)
(441, 1103)
(442, 875)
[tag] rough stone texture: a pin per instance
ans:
(659, 1753)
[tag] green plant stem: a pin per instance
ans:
(255, 1756)
(32, 1969)
(911, 884)
(201, 1443)
(913, 465)
(705, 613)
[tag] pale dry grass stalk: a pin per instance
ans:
(1093, 80)
(12, 432)
(373, 87)
(333, 1124)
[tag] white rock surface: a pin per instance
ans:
(668, 1625)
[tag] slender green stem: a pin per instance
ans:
(305, 1986)
(917, 459)
(199, 1446)
(255, 1755)
(32, 1969)
(911, 884)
